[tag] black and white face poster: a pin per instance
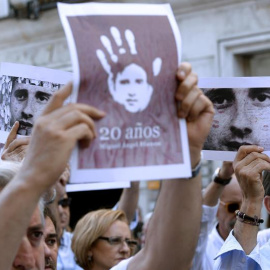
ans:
(242, 107)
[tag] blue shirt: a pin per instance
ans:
(232, 256)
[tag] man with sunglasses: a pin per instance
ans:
(245, 247)
(220, 199)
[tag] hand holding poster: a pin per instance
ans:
(242, 107)
(125, 57)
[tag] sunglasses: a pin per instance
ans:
(231, 207)
(65, 202)
(117, 241)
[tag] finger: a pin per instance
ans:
(74, 118)
(187, 105)
(81, 133)
(183, 70)
(12, 134)
(251, 157)
(252, 169)
(58, 98)
(244, 150)
(201, 105)
(186, 86)
(17, 143)
(84, 108)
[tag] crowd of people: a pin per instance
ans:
(217, 228)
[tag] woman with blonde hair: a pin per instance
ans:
(102, 239)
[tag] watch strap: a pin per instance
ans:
(220, 180)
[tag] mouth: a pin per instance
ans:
(25, 128)
(234, 145)
(131, 101)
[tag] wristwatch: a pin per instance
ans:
(217, 179)
(195, 171)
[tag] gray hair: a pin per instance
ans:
(8, 169)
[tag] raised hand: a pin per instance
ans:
(248, 165)
(55, 134)
(196, 108)
(15, 148)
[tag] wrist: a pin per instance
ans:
(251, 207)
(220, 179)
(195, 157)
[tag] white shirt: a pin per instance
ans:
(66, 259)
(210, 242)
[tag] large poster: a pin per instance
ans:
(242, 109)
(25, 91)
(125, 58)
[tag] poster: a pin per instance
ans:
(125, 57)
(24, 93)
(242, 109)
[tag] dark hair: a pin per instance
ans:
(48, 213)
(266, 183)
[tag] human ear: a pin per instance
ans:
(266, 202)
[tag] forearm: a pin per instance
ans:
(174, 228)
(246, 234)
(129, 200)
(212, 194)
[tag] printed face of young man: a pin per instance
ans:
(27, 103)
(132, 89)
(241, 118)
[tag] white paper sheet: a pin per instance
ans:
(25, 91)
(115, 47)
(242, 109)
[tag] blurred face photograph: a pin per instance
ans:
(27, 103)
(241, 118)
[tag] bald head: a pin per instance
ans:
(232, 191)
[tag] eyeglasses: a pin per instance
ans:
(231, 207)
(65, 202)
(117, 241)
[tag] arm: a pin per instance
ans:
(129, 200)
(211, 196)
(175, 224)
(54, 136)
(213, 191)
(248, 165)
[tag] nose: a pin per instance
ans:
(241, 125)
(125, 248)
(240, 132)
(27, 111)
(47, 251)
(24, 258)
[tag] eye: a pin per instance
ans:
(36, 237)
(221, 98)
(126, 81)
(139, 81)
(21, 94)
(42, 97)
(115, 240)
(51, 242)
(260, 96)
